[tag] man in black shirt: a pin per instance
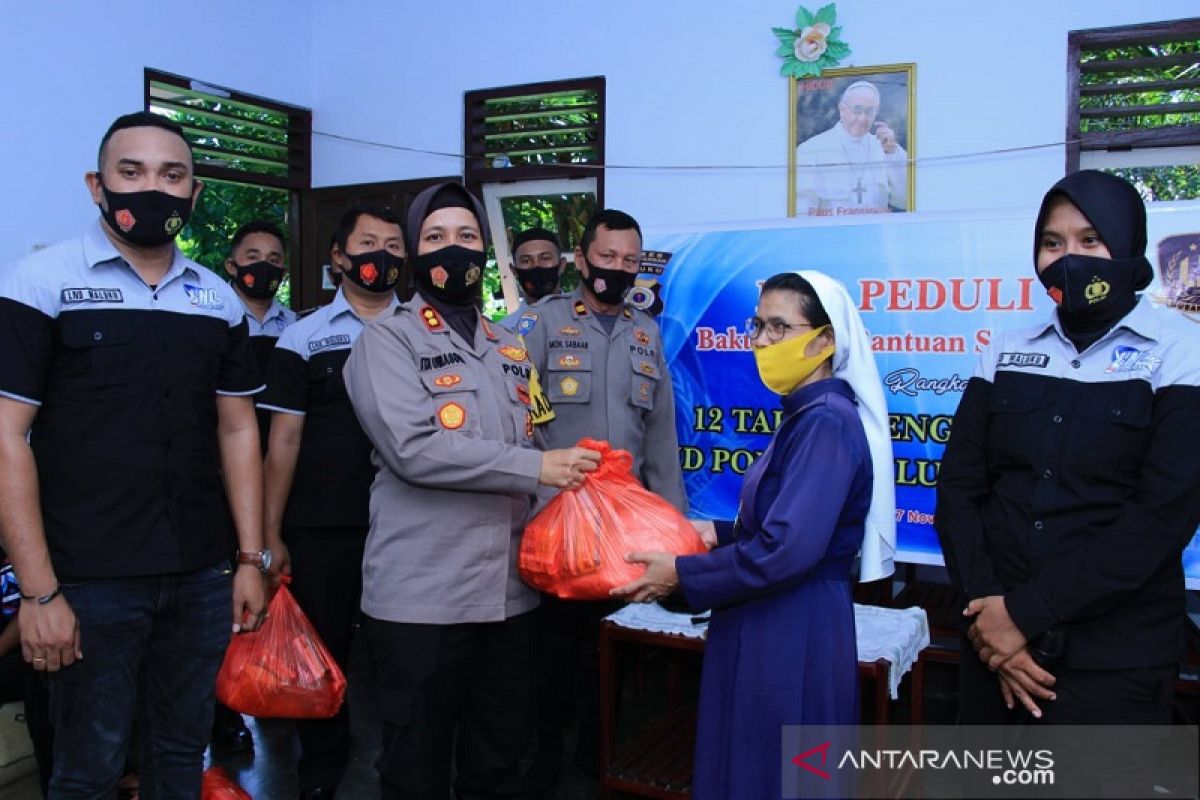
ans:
(318, 467)
(125, 383)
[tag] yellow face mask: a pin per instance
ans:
(783, 366)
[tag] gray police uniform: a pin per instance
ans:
(510, 320)
(604, 385)
(613, 386)
(456, 467)
(451, 639)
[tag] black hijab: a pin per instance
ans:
(1115, 209)
(461, 319)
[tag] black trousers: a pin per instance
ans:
(327, 583)
(1084, 697)
(1140, 696)
(456, 699)
(568, 685)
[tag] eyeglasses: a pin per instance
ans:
(776, 329)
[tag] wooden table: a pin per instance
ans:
(658, 761)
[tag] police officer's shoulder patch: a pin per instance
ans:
(526, 322)
(452, 416)
(431, 319)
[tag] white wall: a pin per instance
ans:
(690, 82)
(69, 67)
(697, 83)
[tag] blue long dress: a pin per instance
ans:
(781, 643)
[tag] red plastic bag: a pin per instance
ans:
(575, 547)
(283, 669)
(217, 785)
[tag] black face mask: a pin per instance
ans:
(146, 219)
(537, 282)
(609, 285)
(376, 271)
(452, 274)
(259, 280)
(1093, 293)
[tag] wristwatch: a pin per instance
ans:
(261, 559)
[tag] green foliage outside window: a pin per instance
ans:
(1157, 96)
(565, 214)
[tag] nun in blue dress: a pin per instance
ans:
(815, 508)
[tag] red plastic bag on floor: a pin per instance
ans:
(217, 785)
(283, 669)
(575, 547)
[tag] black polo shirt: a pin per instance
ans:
(1071, 485)
(126, 379)
(263, 337)
(332, 483)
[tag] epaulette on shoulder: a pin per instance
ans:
(545, 300)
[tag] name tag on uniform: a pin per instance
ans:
(70, 296)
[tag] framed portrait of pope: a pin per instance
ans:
(852, 142)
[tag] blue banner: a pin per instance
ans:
(931, 291)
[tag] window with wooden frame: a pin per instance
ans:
(1134, 105)
(254, 156)
(535, 131)
(236, 136)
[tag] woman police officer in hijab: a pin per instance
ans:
(444, 396)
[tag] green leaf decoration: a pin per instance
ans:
(835, 49)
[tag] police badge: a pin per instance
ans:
(640, 297)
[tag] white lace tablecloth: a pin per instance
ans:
(895, 634)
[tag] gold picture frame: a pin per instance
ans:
(826, 174)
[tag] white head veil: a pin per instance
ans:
(854, 363)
